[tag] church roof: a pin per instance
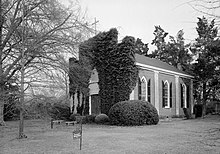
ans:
(157, 65)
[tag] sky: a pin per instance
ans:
(137, 18)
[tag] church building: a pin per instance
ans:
(169, 89)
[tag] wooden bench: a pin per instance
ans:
(58, 121)
(68, 123)
(55, 122)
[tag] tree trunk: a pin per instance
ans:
(2, 96)
(2, 93)
(2, 123)
(21, 123)
(1, 71)
(204, 98)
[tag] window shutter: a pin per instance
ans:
(171, 95)
(163, 101)
(181, 93)
(188, 96)
(139, 89)
(149, 90)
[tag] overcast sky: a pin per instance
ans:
(138, 17)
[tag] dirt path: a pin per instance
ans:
(196, 136)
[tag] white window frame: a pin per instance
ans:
(185, 93)
(168, 95)
(145, 80)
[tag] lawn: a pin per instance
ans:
(176, 136)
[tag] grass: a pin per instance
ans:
(176, 136)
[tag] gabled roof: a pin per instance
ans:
(157, 65)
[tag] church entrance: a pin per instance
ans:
(95, 104)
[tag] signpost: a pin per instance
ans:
(77, 133)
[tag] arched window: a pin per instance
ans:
(143, 88)
(183, 96)
(165, 94)
(149, 91)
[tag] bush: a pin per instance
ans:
(101, 119)
(37, 110)
(186, 113)
(210, 108)
(84, 119)
(11, 111)
(90, 118)
(60, 111)
(134, 112)
(73, 116)
(198, 110)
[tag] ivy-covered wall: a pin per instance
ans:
(115, 64)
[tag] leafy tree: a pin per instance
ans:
(79, 76)
(159, 40)
(174, 52)
(206, 70)
(141, 48)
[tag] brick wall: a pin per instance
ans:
(148, 74)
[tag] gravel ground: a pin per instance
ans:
(174, 136)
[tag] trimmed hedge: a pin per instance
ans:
(133, 112)
(101, 119)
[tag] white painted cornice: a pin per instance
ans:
(161, 70)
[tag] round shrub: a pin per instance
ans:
(84, 119)
(133, 112)
(73, 116)
(90, 118)
(198, 110)
(101, 119)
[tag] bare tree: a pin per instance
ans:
(50, 30)
(210, 8)
(56, 75)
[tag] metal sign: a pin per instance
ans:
(77, 134)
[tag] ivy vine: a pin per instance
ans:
(115, 64)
